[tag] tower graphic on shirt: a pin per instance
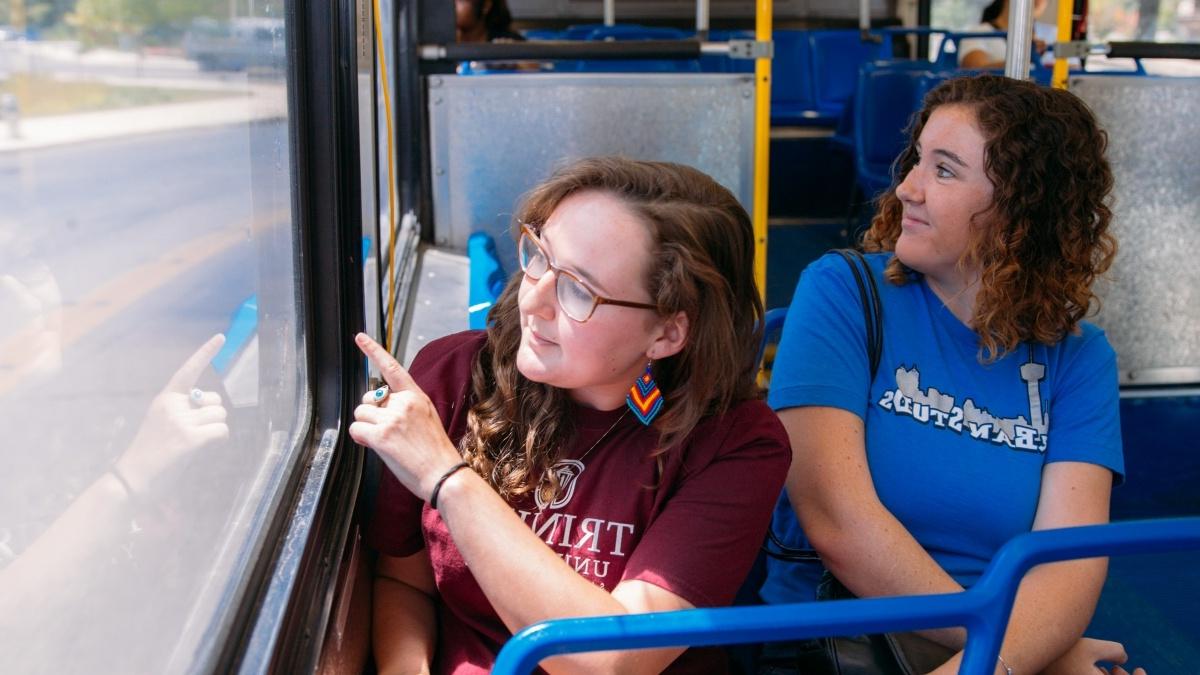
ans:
(1033, 373)
(942, 410)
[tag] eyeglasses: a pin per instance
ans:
(574, 297)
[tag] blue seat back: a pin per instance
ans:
(486, 278)
(791, 79)
(628, 32)
(543, 34)
(889, 92)
(836, 58)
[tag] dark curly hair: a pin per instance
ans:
(1044, 154)
(703, 265)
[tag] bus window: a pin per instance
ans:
(153, 379)
(1107, 21)
(1148, 21)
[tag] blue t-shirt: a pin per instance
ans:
(955, 447)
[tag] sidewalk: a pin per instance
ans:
(259, 103)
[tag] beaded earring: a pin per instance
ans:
(645, 398)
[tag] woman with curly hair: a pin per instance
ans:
(600, 449)
(994, 408)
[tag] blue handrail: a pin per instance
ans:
(983, 609)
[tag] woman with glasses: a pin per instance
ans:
(599, 450)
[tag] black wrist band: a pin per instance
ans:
(437, 487)
(131, 496)
(129, 492)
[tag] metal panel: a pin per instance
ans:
(496, 136)
(1151, 301)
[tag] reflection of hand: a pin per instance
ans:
(1039, 46)
(38, 297)
(404, 429)
(1081, 659)
(181, 419)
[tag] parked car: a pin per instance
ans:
(235, 45)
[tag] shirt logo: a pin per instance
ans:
(931, 406)
(567, 472)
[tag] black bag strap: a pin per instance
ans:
(868, 294)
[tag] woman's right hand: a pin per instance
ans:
(1081, 659)
(403, 428)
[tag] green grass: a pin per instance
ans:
(40, 96)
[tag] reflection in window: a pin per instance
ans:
(152, 381)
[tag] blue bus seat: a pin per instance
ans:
(792, 100)
(580, 31)
(631, 31)
(889, 92)
(883, 46)
(772, 327)
(486, 278)
(543, 34)
(623, 32)
(835, 61)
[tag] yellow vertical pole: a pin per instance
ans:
(762, 144)
(1065, 10)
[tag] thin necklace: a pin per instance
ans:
(603, 435)
(538, 498)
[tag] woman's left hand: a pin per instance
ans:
(1081, 659)
(403, 428)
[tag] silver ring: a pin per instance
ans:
(380, 395)
(195, 396)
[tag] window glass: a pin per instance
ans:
(1108, 21)
(1147, 20)
(152, 379)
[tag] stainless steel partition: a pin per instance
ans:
(1151, 303)
(496, 136)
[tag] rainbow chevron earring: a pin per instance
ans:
(644, 398)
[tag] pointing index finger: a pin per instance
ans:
(394, 374)
(190, 371)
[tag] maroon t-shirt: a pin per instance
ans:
(695, 532)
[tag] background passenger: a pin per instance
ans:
(994, 410)
(574, 500)
(483, 21)
(990, 52)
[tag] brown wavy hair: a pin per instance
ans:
(1045, 156)
(702, 264)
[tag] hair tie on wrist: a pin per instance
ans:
(131, 496)
(437, 487)
(130, 493)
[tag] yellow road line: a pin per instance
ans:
(20, 353)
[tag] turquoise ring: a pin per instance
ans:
(380, 394)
